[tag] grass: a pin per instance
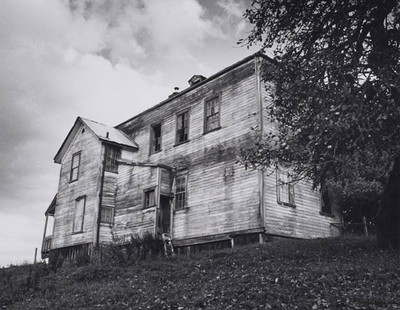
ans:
(344, 273)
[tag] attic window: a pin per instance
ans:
(83, 130)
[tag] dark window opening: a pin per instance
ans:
(212, 114)
(149, 199)
(155, 138)
(326, 206)
(182, 127)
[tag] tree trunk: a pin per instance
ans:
(388, 221)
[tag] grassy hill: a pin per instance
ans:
(348, 273)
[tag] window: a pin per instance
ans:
(155, 138)
(326, 206)
(285, 186)
(107, 215)
(76, 161)
(79, 214)
(149, 199)
(112, 156)
(182, 127)
(212, 114)
(180, 191)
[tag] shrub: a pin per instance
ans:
(126, 251)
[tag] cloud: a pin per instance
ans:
(104, 60)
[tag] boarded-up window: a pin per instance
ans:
(113, 154)
(155, 138)
(285, 186)
(149, 199)
(107, 215)
(182, 127)
(79, 214)
(212, 114)
(180, 191)
(76, 161)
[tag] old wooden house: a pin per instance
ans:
(174, 169)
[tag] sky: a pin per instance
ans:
(104, 60)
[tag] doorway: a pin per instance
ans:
(164, 224)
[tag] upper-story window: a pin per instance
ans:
(212, 114)
(182, 127)
(181, 190)
(79, 214)
(76, 161)
(285, 186)
(155, 138)
(113, 154)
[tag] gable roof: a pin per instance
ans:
(202, 82)
(103, 132)
(52, 207)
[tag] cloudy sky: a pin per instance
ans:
(105, 60)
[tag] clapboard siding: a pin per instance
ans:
(304, 220)
(86, 185)
(130, 217)
(222, 197)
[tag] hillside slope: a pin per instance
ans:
(292, 274)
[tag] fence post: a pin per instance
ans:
(34, 261)
(365, 226)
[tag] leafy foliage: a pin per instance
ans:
(335, 89)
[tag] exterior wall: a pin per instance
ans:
(130, 217)
(86, 185)
(304, 220)
(222, 197)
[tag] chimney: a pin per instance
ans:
(195, 79)
(176, 91)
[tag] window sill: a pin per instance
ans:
(326, 214)
(78, 232)
(215, 129)
(152, 153)
(182, 210)
(148, 209)
(183, 142)
(286, 204)
(72, 181)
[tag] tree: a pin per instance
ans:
(335, 89)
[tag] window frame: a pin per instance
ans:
(284, 184)
(111, 163)
(77, 230)
(152, 139)
(323, 203)
(217, 98)
(75, 168)
(145, 193)
(102, 220)
(177, 116)
(182, 174)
